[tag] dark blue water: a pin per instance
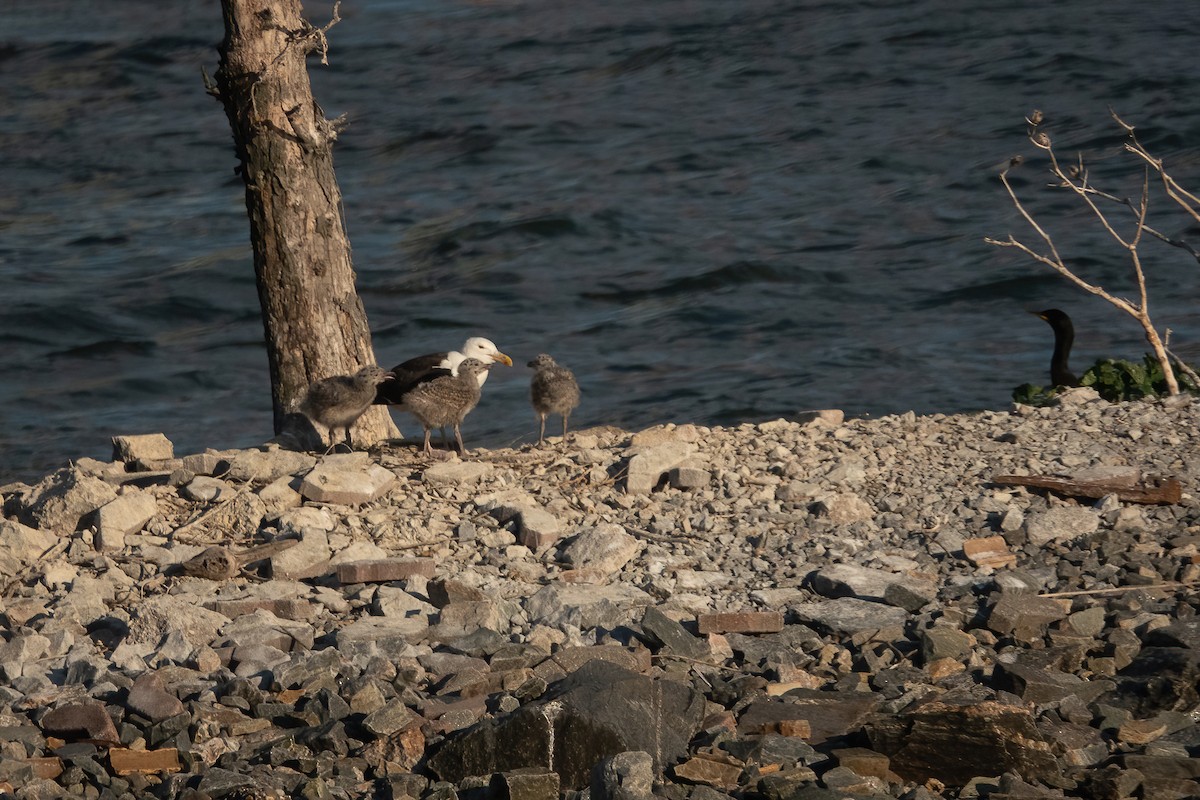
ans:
(714, 212)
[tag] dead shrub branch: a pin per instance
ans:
(1075, 178)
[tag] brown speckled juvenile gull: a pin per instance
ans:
(339, 401)
(446, 400)
(553, 390)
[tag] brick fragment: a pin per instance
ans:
(143, 762)
(741, 622)
(385, 570)
(47, 768)
(989, 551)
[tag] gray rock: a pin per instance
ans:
(844, 508)
(689, 476)
(65, 501)
(600, 710)
(911, 594)
(673, 636)
(205, 489)
(149, 697)
(156, 617)
(1060, 524)
(85, 720)
(346, 479)
(850, 615)
(457, 473)
(605, 549)
(142, 447)
(850, 580)
(391, 718)
(121, 517)
(1023, 615)
(624, 776)
(944, 642)
(308, 559)
(586, 606)
(21, 545)
(650, 463)
(265, 466)
(372, 636)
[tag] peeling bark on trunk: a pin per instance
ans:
(314, 321)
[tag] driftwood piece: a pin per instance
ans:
(1152, 490)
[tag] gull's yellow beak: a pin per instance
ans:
(503, 359)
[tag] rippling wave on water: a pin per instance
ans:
(712, 212)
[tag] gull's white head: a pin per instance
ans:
(480, 349)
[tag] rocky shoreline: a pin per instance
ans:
(816, 608)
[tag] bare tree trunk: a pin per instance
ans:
(314, 321)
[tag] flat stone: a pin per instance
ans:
(282, 607)
(911, 594)
(599, 711)
(349, 479)
(392, 601)
(281, 494)
(459, 619)
(265, 466)
(586, 606)
(828, 417)
(392, 718)
(851, 615)
(444, 591)
(1142, 731)
(864, 762)
(1088, 622)
(457, 473)
(1060, 524)
(142, 447)
(828, 714)
(666, 434)
(1179, 633)
(633, 659)
(689, 476)
(538, 528)
(850, 580)
(206, 489)
(210, 462)
(941, 642)
(156, 617)
(371, 636)
(1025, 616)
(1039, 686)
(723, 773)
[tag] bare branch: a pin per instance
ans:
(1076, 179)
